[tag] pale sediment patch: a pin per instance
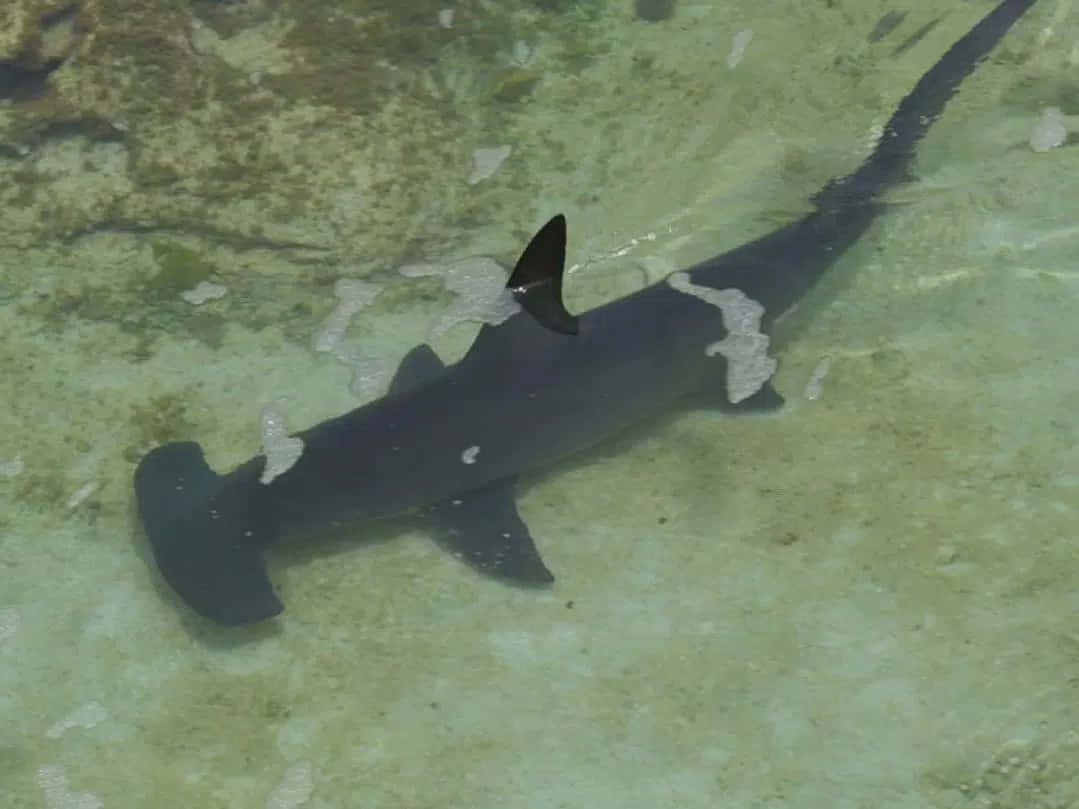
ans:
(282, 450)
(9, 623)
(816, 379)
(368, 373)
(53, 782)
(745, 347)
(87, 716)
(204, 291)
(12, 468)
(739, 43)
(480, 286)
(486, 162)
(295, 788)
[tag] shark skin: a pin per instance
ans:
(450, 442)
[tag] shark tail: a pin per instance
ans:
(889, 164)
(206, 533)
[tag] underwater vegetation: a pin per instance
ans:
(654, 10)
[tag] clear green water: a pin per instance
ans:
(867, 599)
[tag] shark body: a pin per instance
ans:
(543, 385)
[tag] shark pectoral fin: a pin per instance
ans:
(420, 365)
(483, 528)
(536, 281)
(765, 400)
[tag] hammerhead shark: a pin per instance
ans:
(543, 384)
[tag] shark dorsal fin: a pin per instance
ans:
(536, 281)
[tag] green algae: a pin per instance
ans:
(179, 268)
(159, 419)
(514, 84)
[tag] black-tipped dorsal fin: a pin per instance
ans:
(536, 282)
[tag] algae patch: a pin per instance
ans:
(158, 420)
(179, 268)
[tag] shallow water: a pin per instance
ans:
(865, 599)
